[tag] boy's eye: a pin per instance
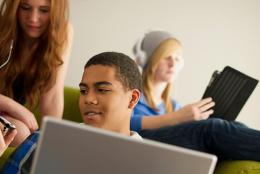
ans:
(103, 90)
(83, 91)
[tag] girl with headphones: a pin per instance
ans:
(160, 118)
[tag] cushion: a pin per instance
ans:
(238, 167)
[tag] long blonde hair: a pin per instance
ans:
(164, 50)
(40, 73)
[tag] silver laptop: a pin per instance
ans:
(67, 147)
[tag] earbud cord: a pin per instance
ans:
(9, 55)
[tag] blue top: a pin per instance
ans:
(143, 109)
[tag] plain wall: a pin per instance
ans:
(213, 33)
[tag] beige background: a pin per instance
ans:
(214, 34)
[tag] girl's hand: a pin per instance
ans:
(196, 111)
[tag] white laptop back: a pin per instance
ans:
(66, 147)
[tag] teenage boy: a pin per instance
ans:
(109, 90)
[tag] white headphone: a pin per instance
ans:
(9, 55)
(140, 55)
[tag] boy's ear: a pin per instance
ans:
(134, 99)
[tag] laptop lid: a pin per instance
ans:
(230, 89)
(67, 147)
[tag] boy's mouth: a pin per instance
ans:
(92, 113)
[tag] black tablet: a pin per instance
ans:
(230, 90)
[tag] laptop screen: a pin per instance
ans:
(66, 147)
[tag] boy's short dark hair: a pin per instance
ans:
(127, 71)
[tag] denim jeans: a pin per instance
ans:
(227, 140)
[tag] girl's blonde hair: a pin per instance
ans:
(164, 50)
(40, 73)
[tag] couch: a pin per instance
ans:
(71, 112)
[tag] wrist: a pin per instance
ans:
(172, 119)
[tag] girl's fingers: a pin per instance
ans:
(207, 106)
(206, 114)
(10, 136)
(203, 102)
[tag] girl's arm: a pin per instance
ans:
(191, 112)
(52, 102)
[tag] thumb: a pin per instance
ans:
(10, 137)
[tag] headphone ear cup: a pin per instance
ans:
(141, 58)
(140, 55)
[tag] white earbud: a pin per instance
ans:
(9, 55)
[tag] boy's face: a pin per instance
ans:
(104, 102)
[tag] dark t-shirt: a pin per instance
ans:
(18, 89)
